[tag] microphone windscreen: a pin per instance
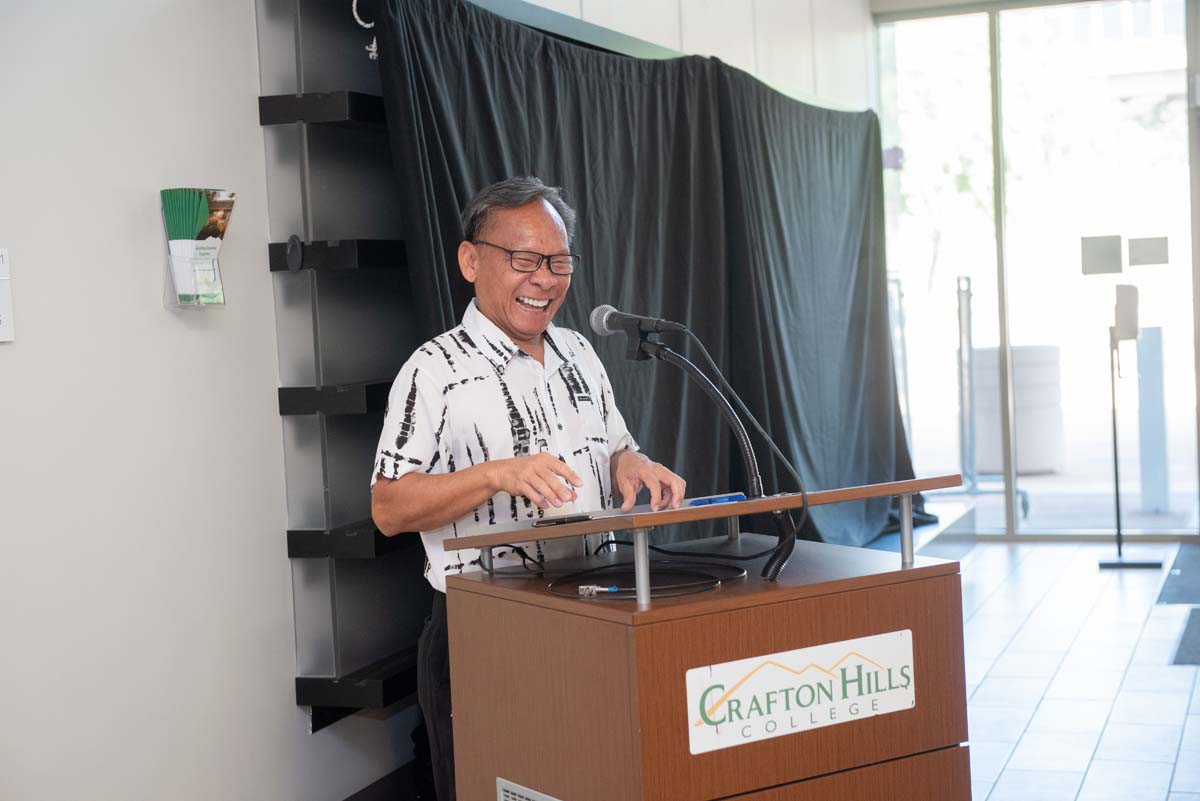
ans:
(599, 320)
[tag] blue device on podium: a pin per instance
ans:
(728, 497)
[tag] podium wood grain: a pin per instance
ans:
(664, 653)
(943, 775)
(586, 700)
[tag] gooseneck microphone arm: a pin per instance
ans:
(606, 321)
(786, 533)
(659, 351)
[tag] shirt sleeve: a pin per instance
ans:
(411, 439)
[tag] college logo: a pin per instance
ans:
(741, 702)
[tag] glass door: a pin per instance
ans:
(1094, 110)
(936, 123)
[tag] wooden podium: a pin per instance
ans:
(582, 699)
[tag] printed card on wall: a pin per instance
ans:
(7, 330)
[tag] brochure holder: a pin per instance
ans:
(195, 221)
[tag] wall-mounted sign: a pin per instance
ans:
(1100, 254)
(7, 331)
(754, 699)
(1152, 250)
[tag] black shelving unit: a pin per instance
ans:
(341, 109)
(359, 540)
(357, 398)
(345, 315)
(337, 284)
(378, 685)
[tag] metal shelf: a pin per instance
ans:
(337, 255)
(358, 398)
(359, 540)
(378, 685)
(341, 109)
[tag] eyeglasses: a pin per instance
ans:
(526, 261)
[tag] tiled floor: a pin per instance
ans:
(1071, 694)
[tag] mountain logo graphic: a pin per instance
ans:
(829, 671)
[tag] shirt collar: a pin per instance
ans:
(499, 348)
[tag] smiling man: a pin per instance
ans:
(502, 418)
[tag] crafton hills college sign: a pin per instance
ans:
(753, 699)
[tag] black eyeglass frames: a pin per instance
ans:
(527, 261)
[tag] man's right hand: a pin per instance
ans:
(541, 478)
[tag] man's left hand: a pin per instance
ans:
(634, 471)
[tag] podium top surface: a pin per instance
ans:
(641, 516)
(815, 569)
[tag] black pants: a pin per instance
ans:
(433, 691)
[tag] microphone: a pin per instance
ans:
(606, 321)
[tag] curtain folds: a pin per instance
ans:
(703, 197)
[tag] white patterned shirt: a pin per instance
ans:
(470, 395)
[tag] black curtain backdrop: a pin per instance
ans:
(703, 197)
(808, 292)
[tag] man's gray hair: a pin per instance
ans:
(510, 194)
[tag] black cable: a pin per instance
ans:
(787, 542)
(782, 551)
(753, 421)
(661, 352)
(568, 586)
(705, 580)
(523, 570)
(698, 554)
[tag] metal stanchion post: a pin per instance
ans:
(641, 566)
(906, 531)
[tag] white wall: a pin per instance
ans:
(898, 6)
(819, 51)
(923, 6)
(146, 647)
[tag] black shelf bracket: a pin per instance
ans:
(321, 716)
(378, 685)
(337, 255)
(341, 109)
(360, 540)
